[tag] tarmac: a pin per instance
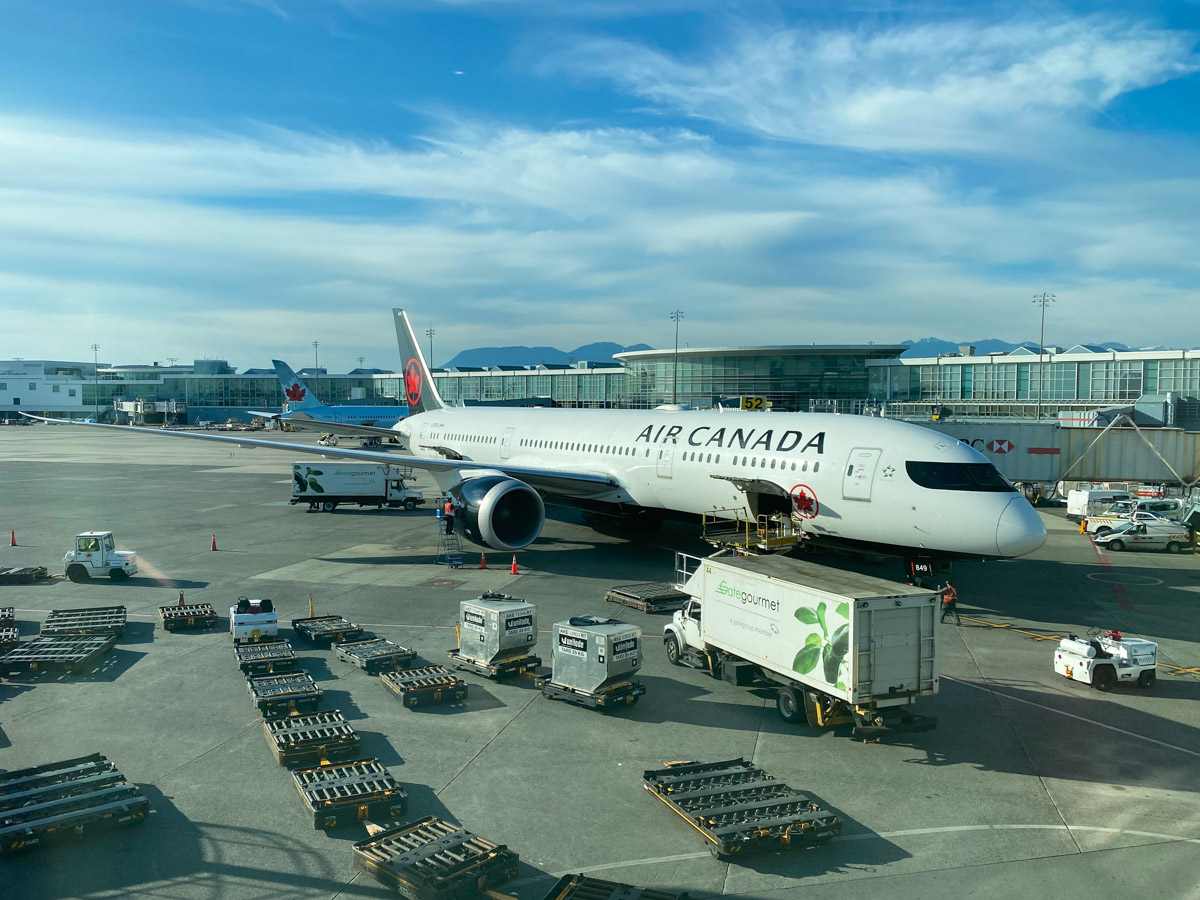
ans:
(1030, 785)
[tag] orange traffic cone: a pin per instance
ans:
(513, 570)
(213, 545)
(483, 560)
(12, 537)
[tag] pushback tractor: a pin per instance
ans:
(95, 554)
(1107, 659)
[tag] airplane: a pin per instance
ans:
(868, 483)
(305, 410)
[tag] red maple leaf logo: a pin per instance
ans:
(804, 501)
(295, 393)
(412, 381)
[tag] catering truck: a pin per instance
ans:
(838, 647)
(326, 485)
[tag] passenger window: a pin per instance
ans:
(816, 466)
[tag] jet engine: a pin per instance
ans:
(498, 512)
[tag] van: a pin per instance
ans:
(1169, 536)
(1081, 504)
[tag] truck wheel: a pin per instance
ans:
(1146, 679)
(328, 506)
(788, 705)
(78, 574)
(410, 505)
(1104, 678)
(672, 644)
(1174, 547)
(1103, 529)
(118, 575)
(1117, 545)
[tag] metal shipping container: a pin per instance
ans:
(590, 651)
(496, 626)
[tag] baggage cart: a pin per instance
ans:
(69, 798)
(185, 616)
(9, 634)
(294, 693)
(581, 887)
(429, 684)
(496, 634)
(650, 597)
(312, 740)
(624, 693)
(265, 659)
(326, 629)
(344, 793)
(432, 859)
(22, 574)
(500, 668)
(97, 620)
(739, 808)
(375, 655)
(52, 652)
(8, 616)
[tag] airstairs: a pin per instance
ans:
(449, 546)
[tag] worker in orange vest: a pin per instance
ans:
(448, 515)
(950, 603)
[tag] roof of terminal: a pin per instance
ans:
(888, 350)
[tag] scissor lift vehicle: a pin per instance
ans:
(375, 655)
(274, 658)
(344, 793)
(186, 616)
(65, 799)
(68, 653)
(294, 693)
(96, 620)
(739, 808)
(429, 684)
(431, 859)
(312, 740)
(326, 629)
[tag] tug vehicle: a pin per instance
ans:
(95, 553)
(1107, 659)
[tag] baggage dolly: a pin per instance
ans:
(650, 597)
(294, 693)
(62, 799)
(265, 659)
(344, 793)
(624, 694)
(22, 574)
(326, 629)
(192, 615)
(9, 633)
(739, 808)
(311, 740)
(581, 887)
(430, 684)
(514, 665)
(97, 620)
(375, 656)
(432, 859)
(50, 652)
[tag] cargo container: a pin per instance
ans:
(326, 485)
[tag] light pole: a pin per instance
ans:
(361, 360)
(675, 317)
(316, 364)
(430, 332)
(96, 380)
(1043, 299)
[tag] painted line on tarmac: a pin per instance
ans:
(1132, 734)
(1120, 595)
(871, 836)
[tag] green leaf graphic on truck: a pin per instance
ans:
(822, 647)
(307, 481)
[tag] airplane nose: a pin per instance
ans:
(1020, 529)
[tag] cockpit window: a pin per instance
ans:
(942, 476)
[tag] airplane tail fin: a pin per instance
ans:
(295, 391)
(419, 391)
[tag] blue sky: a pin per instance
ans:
(239, 178)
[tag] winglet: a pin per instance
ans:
(295, 391)
(419, 391)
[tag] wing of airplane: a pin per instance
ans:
(261, 414)
(583, 485)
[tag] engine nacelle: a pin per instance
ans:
(498, 512)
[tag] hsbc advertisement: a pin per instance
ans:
(1021, 451)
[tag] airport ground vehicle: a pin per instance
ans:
(253, 620)
(1084, 504)
(328, 485)
(95, 553)
(838, 646)
(1161, 535)
(1108, 522)
(328, 440)
(1107, 659)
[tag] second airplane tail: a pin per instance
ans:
(419, 391)
(295, 391)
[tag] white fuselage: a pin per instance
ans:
(375, 416)
(848, 476)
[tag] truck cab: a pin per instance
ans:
(683, 637)
(95, 553)
(400, 494)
